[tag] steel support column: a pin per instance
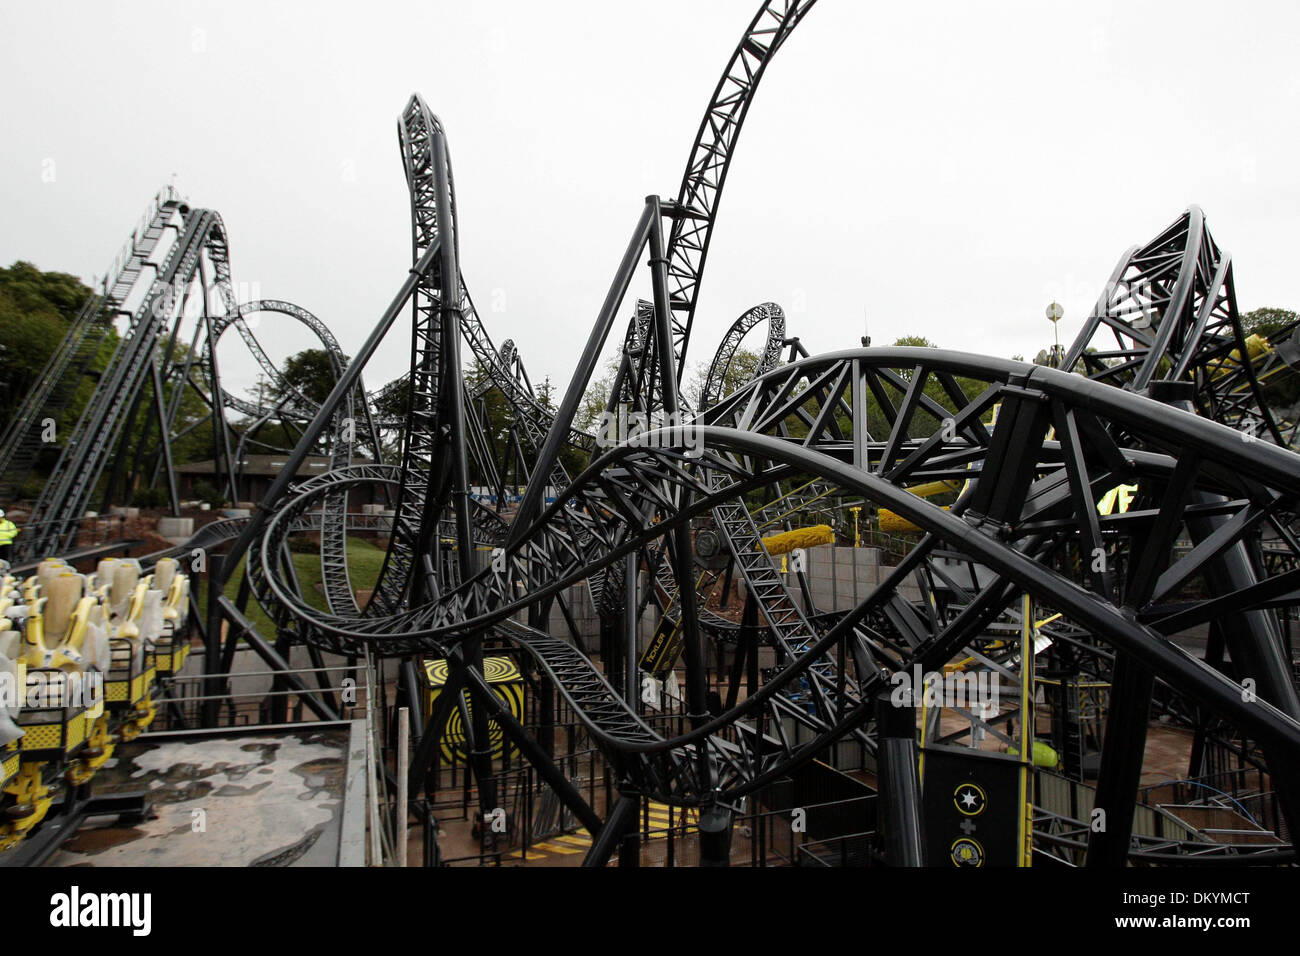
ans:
(622, 817)
(900, 786)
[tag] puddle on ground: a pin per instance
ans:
(223, 801)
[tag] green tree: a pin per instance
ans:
(1281, 389)
(914, 341)
(1268, 322)
(595, 400)
(193, 445)
(393, 401)
(311, 372)
(545, 394)
(740, 371)
(490, 410)
(36, 310)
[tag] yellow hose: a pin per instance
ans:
(891, 522)
(788, 541)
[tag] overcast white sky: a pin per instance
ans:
(943, 169)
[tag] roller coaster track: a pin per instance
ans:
(786, 626)
(68, 366)
(790, 630)
(425, 444)
(1032, 479)
(871, 424)
(1019, 556)
(701, 189)
(1169, 312)
(716, 379)
(140, 352)
(87, 449)
(710, 159)
(688, 242)
(345, 431)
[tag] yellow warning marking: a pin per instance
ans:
(664, 809)
(556, 848)
(574, 839)
(660, 819)
(562, 844)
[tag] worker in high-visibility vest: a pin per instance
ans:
(8, 531)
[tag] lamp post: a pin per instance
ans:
(1054, 313)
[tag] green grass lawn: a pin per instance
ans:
(364, 562)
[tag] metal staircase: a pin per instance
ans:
(790, 628)
(589, 692)
(71, 362)
(53, 519)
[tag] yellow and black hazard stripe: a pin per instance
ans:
(507, 683)
(659, 817)
(562, 844)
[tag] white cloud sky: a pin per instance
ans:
(942, 169)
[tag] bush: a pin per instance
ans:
(150, 498)
(308, 543)
(207, 491)
(31, 489)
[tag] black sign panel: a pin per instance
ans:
(976, 807)
(663, 650)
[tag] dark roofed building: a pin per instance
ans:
(256, 472)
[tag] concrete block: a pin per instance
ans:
(175, 527)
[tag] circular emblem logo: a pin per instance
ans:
(969, 799)
(967, 852)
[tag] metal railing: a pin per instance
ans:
(181, 697)
(1245, 790)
